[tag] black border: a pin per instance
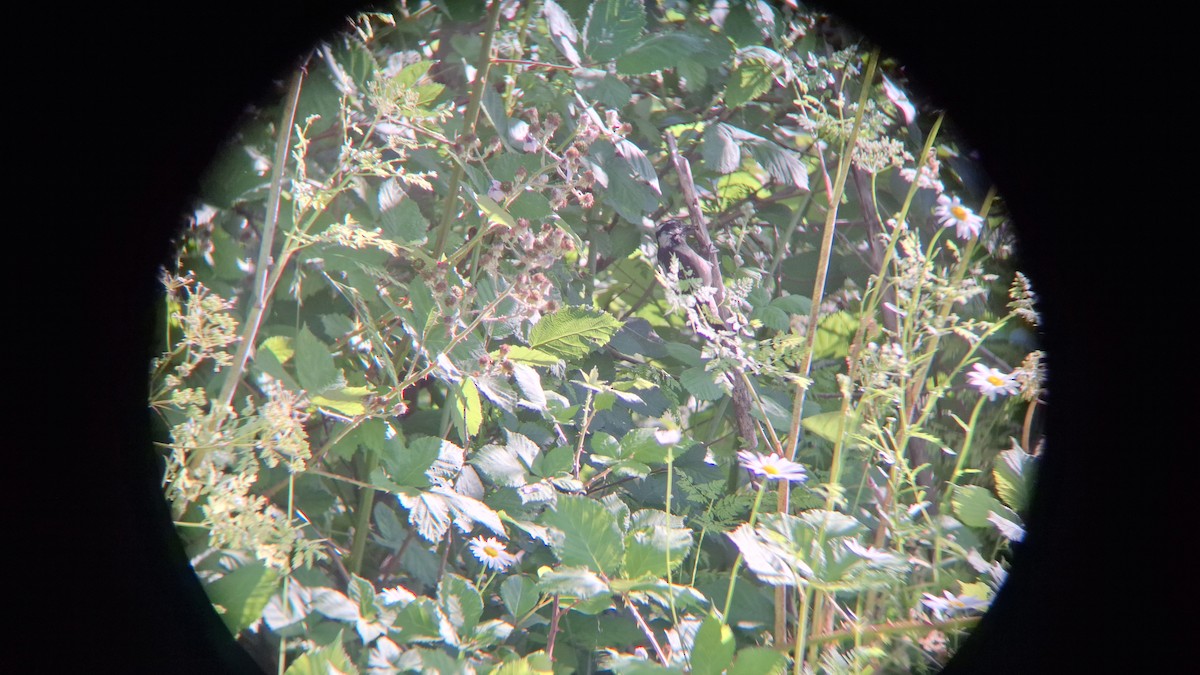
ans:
(138, 98)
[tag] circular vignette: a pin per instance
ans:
(1018, 222)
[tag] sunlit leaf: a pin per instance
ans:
(584, 534)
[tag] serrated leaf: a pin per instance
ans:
(652, 540)
(1014, 474)
(973, 504)
(771, 562)
(404, 222)
(701, 383)
(323, 661)
(661, 51)
(497, 391)
(408, 464)
(602, 87)
(314, 364)
(612, 27)
(530, 383)
(347, 400)
(719, 149)
(640, 167)
(334, 604)
(427, 512)
(713, 647)
(519, 594)
(460, 601)
(572, 581)
(244, 594)
(572, 332)
(280, 347)
(751, 79)
(584, 534)
(533, 357)
(562, 31)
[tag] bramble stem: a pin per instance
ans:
(469, 120)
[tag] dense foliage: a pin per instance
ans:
(430, 403)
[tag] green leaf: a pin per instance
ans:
(314, 364)
(407, 465)
(243, 593)
(751, 79)
(585, 534)
(404, 222)
(533, 357)
(322, 661)
(713, 647)
(572, 332)
(602, 87)
(759, 661)
(654, 537)
(972, 504)
(533, 206)
(519, 594)
(536, 663)
(494, 212)
(834, 334)
(509, 464)
(572, 581)
(719, 150)
(418, 621)
(562, 31)
(1015, 473)
(347, 400)
(468, 407)
(661, 51)
(701, 383)
(460, 601)
(612, 27)
(280, 346)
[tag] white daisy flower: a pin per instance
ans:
(990, 381)
(492, 553)
(773, 467)
(951, 212)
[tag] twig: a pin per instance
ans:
(646, 630)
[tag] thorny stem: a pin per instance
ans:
(469, 120)
(362, 520)
(646, 630)
(555, 613)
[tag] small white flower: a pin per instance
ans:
(667, 436)
(773, 467)
(491, 553)
(495, 193)
(951, 212)
(952, 604)
(990, 381)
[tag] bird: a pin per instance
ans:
(671, 237)
(672, 243)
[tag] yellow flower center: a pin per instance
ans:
(771, 469)
(491, 551)
(959, 212)
(995, 381)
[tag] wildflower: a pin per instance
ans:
(950, 603)
(773, 467)
(950, 211)
(495, 192)
(990, 381)
(491, 553)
